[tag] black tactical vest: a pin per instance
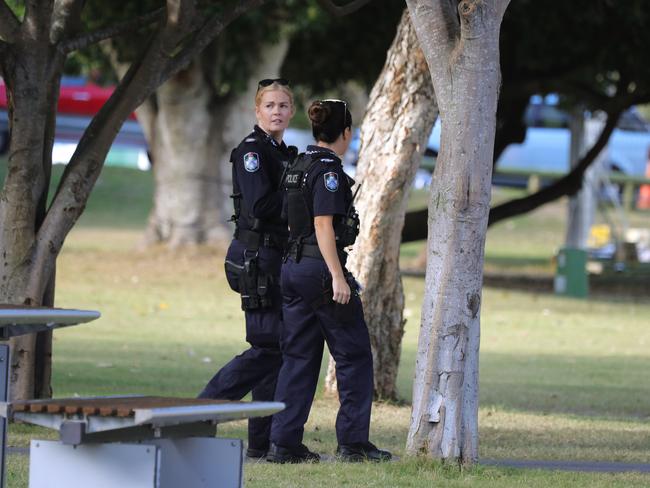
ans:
(299, 199)
(300, 207)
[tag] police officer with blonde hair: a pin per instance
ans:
(254, 257)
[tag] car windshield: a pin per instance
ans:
(633, 122)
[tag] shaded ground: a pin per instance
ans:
(623, 285)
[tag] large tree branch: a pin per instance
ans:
(83, 170)
(437, 26)
(205, 35)
(65, 18)
(566, 186)
(38, 18)
(111, 31)
(9, 24)
(415, 224)
(607, 103)
(472, 18)
(340, 11)
(180, 13)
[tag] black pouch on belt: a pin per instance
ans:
(233, 271)
(250, 282)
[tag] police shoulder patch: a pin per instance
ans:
(251, 162)
(331, 181)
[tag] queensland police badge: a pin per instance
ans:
(251, 162)
(331, 181)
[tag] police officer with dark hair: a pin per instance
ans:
(254, 257)
(320, 298)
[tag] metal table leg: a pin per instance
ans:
(4, 387)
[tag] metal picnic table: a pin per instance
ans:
(19, 320)
(121, 441)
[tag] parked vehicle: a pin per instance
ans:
(422, 177)
(546, 146)
(79, 101)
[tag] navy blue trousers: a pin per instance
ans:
(256, 369)
(307, 324)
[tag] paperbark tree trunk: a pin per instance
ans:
(191, 135)
(400, 115)
(460, 41)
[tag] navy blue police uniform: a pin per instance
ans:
(317, 186)
(253, 263)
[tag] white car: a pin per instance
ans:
(546, 146)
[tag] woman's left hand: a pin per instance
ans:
(341, 290)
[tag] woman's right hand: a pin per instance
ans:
(341, 290)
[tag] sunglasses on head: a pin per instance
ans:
(269, 81)
(345, 107)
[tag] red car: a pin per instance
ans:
(79, 101)
(77, 96)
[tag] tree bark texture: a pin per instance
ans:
(399, 117)
(192, 135)
(460, 41)
(22, 200)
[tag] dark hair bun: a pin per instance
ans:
(318, 113)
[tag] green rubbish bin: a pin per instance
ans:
(571, 277)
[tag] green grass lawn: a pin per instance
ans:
(560, 379)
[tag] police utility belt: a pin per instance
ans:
(248, 279)
(254, 240)
(297, 251)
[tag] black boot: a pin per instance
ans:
(253, 453)
(362, 451)
(295, 454)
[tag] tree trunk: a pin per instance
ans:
(22, 206)
(399, 118)
(186, 207)
(578, 218)
(461, 47)
(191, 136)
(583, 205)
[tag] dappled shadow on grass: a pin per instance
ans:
(614, 386)
(619, 290)
(513, 436)
(509, 262)
(609, 386)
